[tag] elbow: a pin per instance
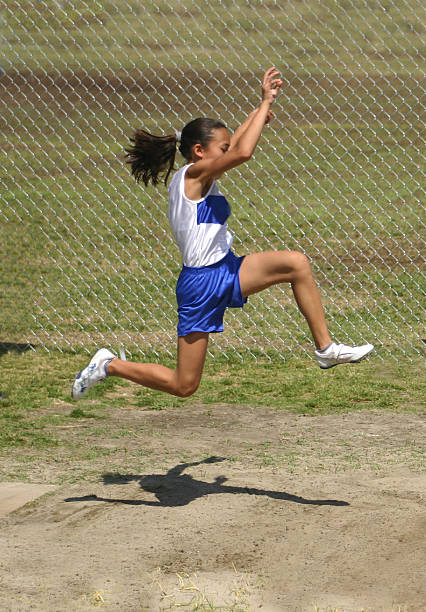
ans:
(245, 155)
(241, 154)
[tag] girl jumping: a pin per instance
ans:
(212, 277)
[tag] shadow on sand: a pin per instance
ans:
(177, 489)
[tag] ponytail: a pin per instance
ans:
(151, 157)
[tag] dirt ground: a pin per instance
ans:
(245, 508)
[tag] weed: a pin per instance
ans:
(189, 595)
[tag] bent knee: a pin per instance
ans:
(300, 262)
(186, 389)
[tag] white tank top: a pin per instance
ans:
(199, 226)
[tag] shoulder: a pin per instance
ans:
(178, 177)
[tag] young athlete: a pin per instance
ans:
(212, 277)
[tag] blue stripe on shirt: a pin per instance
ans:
(213, 209)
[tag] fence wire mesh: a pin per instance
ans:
(88, 258)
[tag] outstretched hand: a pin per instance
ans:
(271, 84)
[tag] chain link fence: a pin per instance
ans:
(87, 256)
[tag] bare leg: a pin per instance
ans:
(183, 381)
(261, 270)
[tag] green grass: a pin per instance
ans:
(70, 283)
(83, 247)
(35, 393)
(337, 175)
(379, 36)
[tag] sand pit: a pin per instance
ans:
(248, 509)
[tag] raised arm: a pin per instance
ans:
(243, 142)
(270, 87)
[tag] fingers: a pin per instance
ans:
(272, 70)
(271, 80)
(269, 75)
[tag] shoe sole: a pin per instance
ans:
(79, 374)
(72, 388)
(343, 362)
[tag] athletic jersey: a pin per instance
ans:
(199, 226)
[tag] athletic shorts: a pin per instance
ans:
(203, 295)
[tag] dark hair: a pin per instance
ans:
(197, 131)
(153, 156)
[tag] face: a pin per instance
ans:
(217, 146)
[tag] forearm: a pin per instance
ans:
(249, 132)
(242, 128)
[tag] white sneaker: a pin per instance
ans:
(341, 353)
(93, 373)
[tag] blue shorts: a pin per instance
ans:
(203, 295)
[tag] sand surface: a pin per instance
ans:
(245, 508)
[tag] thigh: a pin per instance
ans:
(261, 270)
(192, 351)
